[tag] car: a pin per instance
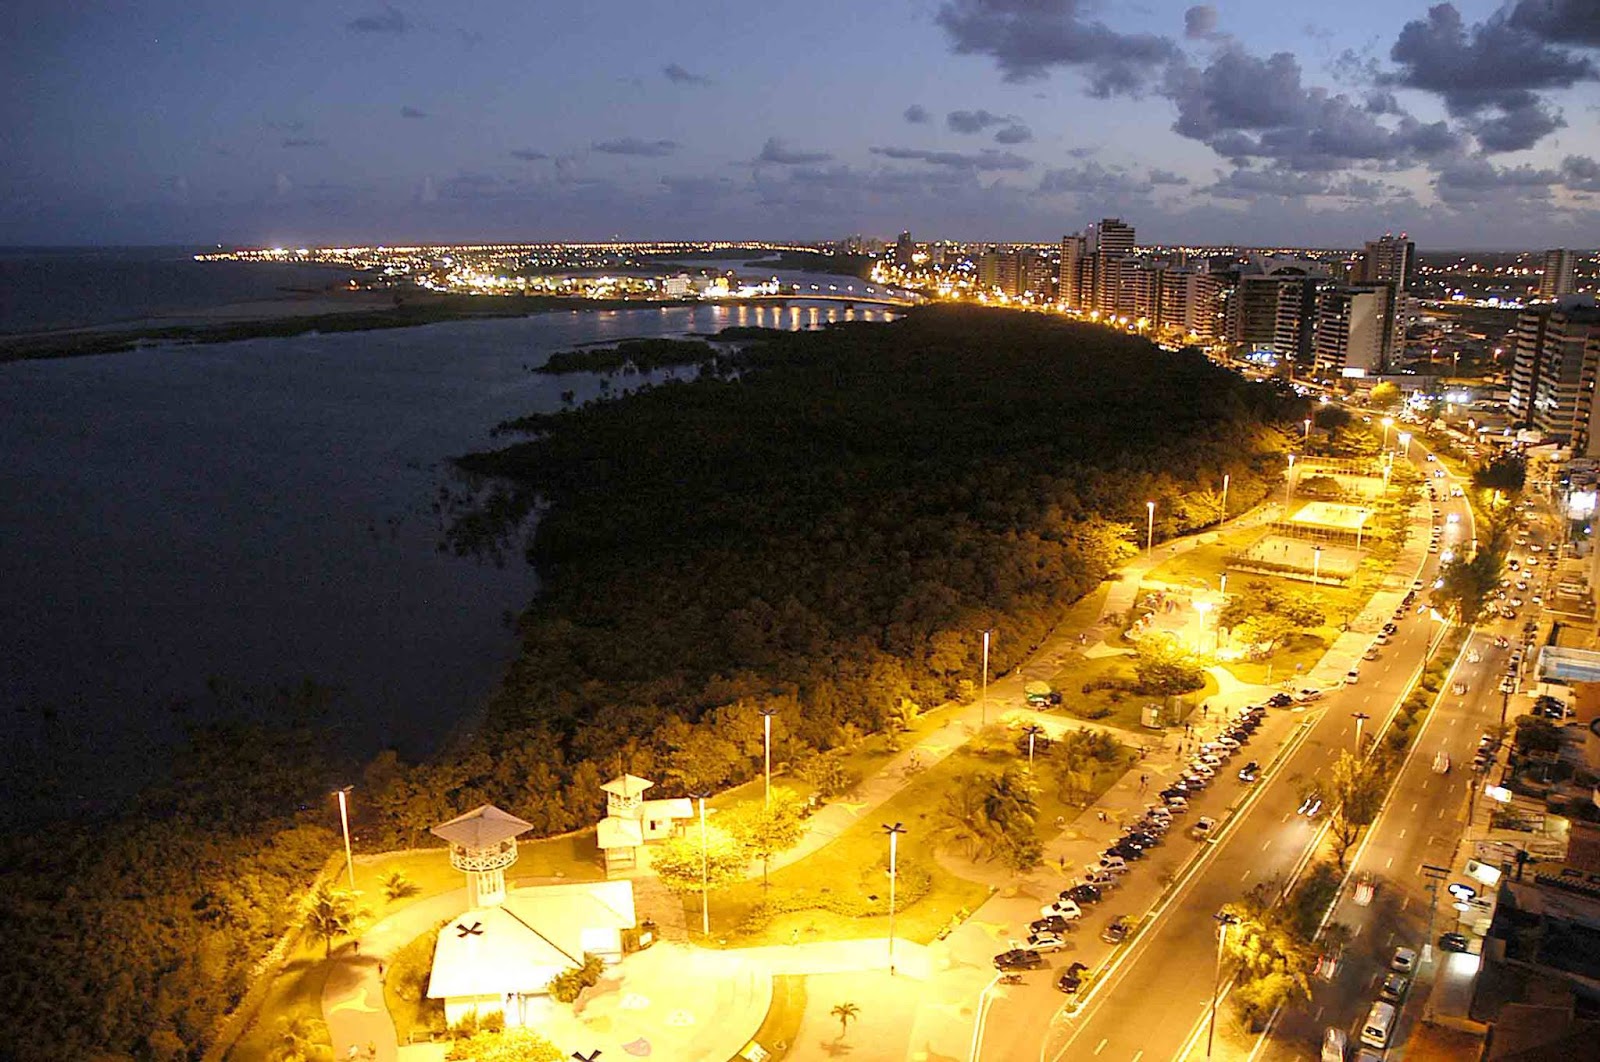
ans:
(1176, 803)
(1280, 700)
(1391, 628)
(1157, 811)
(1250, 771)
(1082, 894)
(1433, 547)
(1393, 988)
(1203, 827)
(1365, 889)
(1117, 931)
(1062, 908)
(1127, 852)
(1071, 978)
(1311, 806)
(1508, 685)
(1381, 639)
(1143, 840)
(1229, 743)
(1514, 564)
(1522, 585)
(1456, 942)
(1019, 959)
(1114, 863)
(1404, 960)
(1352, 677)
(1045, 942)
(1534, 547)
(1416, 584)
(1515, 602)
(1500, 641)
(1441, 762)
(1508, 613)
(1371, 653)
(1307, 694)
(1051, 924)
(1334, 1043)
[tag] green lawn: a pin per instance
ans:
(405, 990)
(575, 857)
(1124, 708)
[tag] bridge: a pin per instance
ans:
(878, 298)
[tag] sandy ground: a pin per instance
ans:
(271, 309)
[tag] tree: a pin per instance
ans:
(677, 861)
(765, 829)
(568, 985)
(1384, 396)
(300, 1039)
(510, 1045)
(1505, 472)
(396, 886)
(992, 814)
(330, 914)
(1356, 789)
(1537, 735)
(1467, 584)
(846, 1013)
(827, 772)
(1275, 961)
(1164, 667)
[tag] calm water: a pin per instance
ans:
(260, 511)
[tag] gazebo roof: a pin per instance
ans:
(629, 785)
(481, 827)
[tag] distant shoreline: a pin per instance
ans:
(298, 315)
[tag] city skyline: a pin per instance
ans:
(1467, 124)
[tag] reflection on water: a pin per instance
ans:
(262, 511)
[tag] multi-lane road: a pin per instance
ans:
(1153, 1001)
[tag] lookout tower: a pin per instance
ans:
(483, 842)
(632, 820)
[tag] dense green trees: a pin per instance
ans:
(992, 815)
(1356, 787)
(1165, 668)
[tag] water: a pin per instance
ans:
(260, 511)
(44, 289)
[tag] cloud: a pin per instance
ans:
(1027, 38)
(1495, 63)
(1274, 182)
(1244, 107)
(528, 155)
(679, 76)
(1476, 181)
(1094, 181)
(986, 160)
(1580, 173)
(630, 145)
(304, 142)
(1200, 22)
(917, 114)
(774, 151)
(412, 112)
(973, 121)
(281, 185)
(1159, 176)
(1561, 21)
(1516, 128)
(390, 21)
(1015, 133)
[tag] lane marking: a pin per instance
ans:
(1102, 1045)
(1405, 902)
(1402, 835)
(1246, 875)
(1414, 805)
(1387, 863)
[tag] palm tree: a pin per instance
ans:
(846, 1013)
(300, 1039)
(961, 820)
(331, 913)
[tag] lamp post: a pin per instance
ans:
(1316, 565)
(1149, 526)
(767, 712)
(1224, 920)
(1223, 589)
(1388, 422)
(1288, 487)
(983, 710)
(1404, 439)
(894, 833)
(1359, 717)
(1033, 730)
(1224, 500)
(1306, 437)
(705, 868)
(1201, 607)
(344, 824)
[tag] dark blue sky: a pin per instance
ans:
(1469, 124)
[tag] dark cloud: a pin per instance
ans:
(986, 160)
(678, 75)
(1027, 38)
(1096, 182)
(304, 142)
(973, 121)
(1200, 22)
(1515, 128)
(917, 114)
(1015, 133)
(528, 155)
(1490, 64)
(1476, 181)
(412, 112)
(1580, 173)
(776, 152)
(1159, 176)
(1380, 102)
(1561, 21)
(389, 21)
(1083, 152)
(1244, 107)
(631, 145)
(1274, 182)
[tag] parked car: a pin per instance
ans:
(1250, 772)
(1371, 653)
(1051, 924)
(1114, 863)
(1062, 908)
(1144, 841)
(1280, 700)
(1203, 827)
(1071, 978)
(1179, 802)
(1394, 986)
(1334, 1043)
(1404, 960)
(1307, 694)
(1456, 942)
(1128, 852)
(1352, 677)
(1117, 931)
(1099, 877)
(1082, 894)
(1018, 959)
(1045, 942)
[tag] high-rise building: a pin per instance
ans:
(1190, 304)
(1553, 377)
(1273, 306)
(1001, 270)
(1111, 242)
(905, 250)
(1072, 272)
(1560, 274)
(1352, 327)
(1392, 259)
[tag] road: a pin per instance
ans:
(1153, 1001)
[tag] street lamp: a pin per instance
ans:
(1288, 486)
(705, 867)
(894, 833)
(1033, 730)
(1404, 439)
(1316, 565)
(1224, 500)
(1388, 422)
(767, 712)
(344, 824)
(1224, 920)
(1149, 526)
(1307, 436)
(984, 702)
(1201, 607)
(1359, 717)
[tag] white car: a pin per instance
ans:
(1067, 909)
(1404, 961)
(1352, 677)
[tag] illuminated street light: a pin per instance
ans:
(984, 701)
(1224, 500)
(705, 867)
(1306, 437)
(1316, 565)
(894, 833)
(1224, 920)
(344, 824)
(1150, 526)
(1033, 730)
(767, 712)
(1288, 484)
(1388, 422)
(1404, 439)
(1359, 717)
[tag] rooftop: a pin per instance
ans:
(482, 827)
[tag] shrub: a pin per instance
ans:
(867, 897)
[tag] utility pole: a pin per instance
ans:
(1033, 730)
(1359, 717)
(1224, 920)
(894, 833)
(1434, 875)
(983, 718)
(767, 712)
(705, 868)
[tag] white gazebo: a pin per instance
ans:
(632, 820)
(483, 843)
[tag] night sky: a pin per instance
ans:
(1468, 124)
